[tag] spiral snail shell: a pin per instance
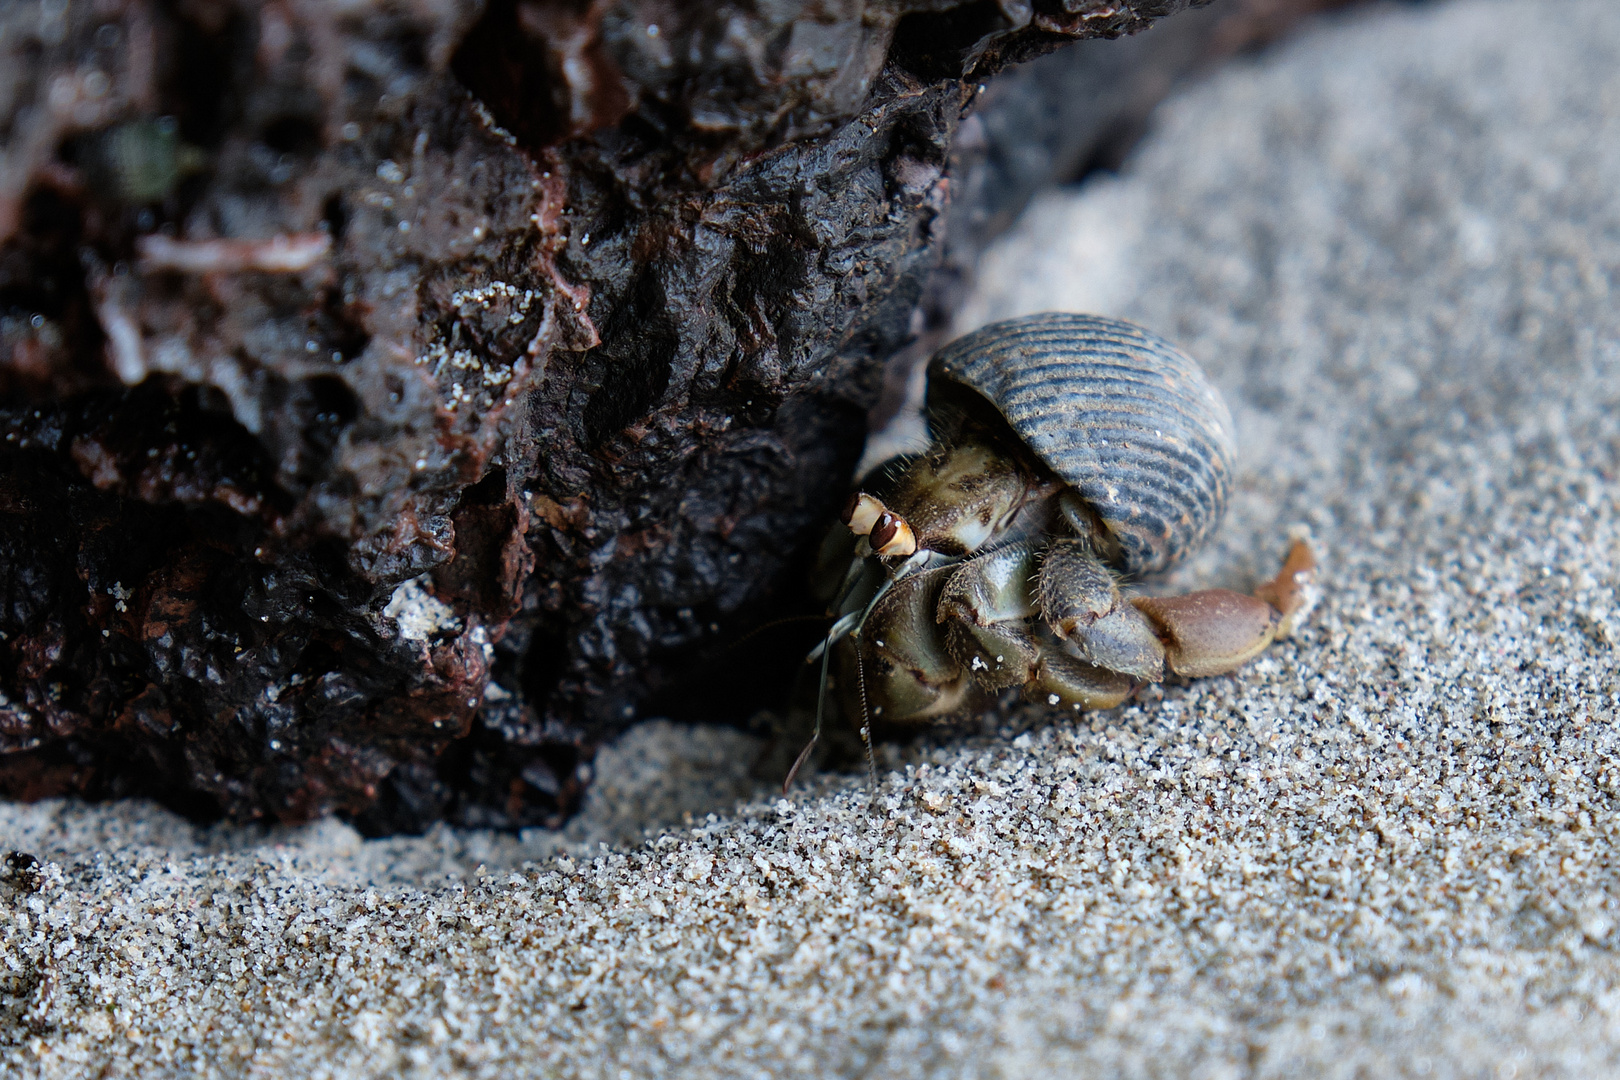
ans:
(1126, 419)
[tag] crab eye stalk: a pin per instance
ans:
(891, 536)
(862, 512)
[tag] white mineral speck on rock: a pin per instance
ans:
(1385, 849)
(420, 615)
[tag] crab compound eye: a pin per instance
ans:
(861, 513)
(892, 536)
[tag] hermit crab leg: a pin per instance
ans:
(1083, 604)
(984, 610)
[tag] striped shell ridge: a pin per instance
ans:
(1121, 415)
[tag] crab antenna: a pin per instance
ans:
(821, 701)
(866, 725)
(849, 624)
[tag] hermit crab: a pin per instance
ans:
(1070, 457)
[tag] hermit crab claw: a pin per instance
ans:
(1294, 591)
(1214, 631)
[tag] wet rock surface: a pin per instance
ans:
(399, 398)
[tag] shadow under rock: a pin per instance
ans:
(656, 777)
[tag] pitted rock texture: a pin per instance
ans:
(398, 397)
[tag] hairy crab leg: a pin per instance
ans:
(1064, 680)
(1082, 602)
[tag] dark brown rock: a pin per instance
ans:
(398, 398)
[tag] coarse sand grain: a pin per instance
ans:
(1385, 848)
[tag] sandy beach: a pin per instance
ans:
(1385, 848)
